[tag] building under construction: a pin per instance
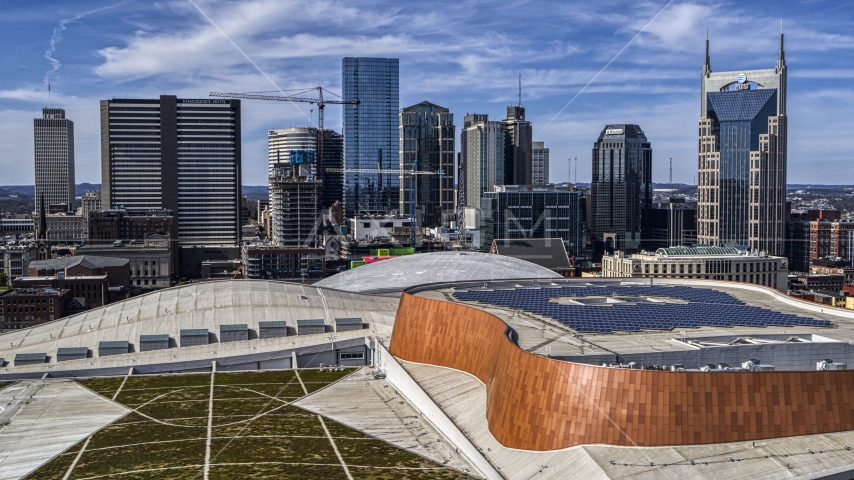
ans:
(295, 202)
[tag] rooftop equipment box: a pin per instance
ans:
(311, 326)
(153, 342)
(106, 349)
(830, 365)
(30, 358)
(272, 329)
(233, 333)
(345, 324)
(194, 336)
(71, 353)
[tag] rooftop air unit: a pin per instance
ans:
(828, 364)
(753, 365)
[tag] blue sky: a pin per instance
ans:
(464, 55)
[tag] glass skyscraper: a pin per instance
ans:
(742, 157)
(621, 189)
(371, 137)
(427, 136)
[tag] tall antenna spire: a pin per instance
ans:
(781, 57)
(48, 95)
(671, 172)
(520, 90)
(707, 67)
(42, 235)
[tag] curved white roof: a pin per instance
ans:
(199, 306)
(403, 272)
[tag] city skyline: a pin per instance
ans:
(103, 49)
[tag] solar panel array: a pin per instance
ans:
(704, 307)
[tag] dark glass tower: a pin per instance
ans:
(621, 189)
(518, 150)
(427, 136)
(371, 140)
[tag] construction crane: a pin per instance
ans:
(319, 101)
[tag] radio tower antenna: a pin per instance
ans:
(576, 169)
(671, 172)
(520, 90)
(569, 169)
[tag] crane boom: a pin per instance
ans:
(387, 171)
(253, 96)
(321, 105)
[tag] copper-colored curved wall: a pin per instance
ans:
(536, 403)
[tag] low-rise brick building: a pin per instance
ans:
(89, 291)
(26, 307)
(116, 269)
(150, 260)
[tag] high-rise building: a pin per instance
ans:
(517, 147)
(831, 239)
(295, 207)
(427, 136)
(177, 154)
(53, 136)
(371, 138)
(742, 157)
(481, 165)
(281, 142)
(800, 244)
(539, 163)
(621, 188)
(333, 163)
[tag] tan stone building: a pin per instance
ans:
(709, 263)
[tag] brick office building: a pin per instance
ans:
(26, 307)
(88, 291)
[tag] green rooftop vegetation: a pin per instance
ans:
(5, 384)
(255, 433)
